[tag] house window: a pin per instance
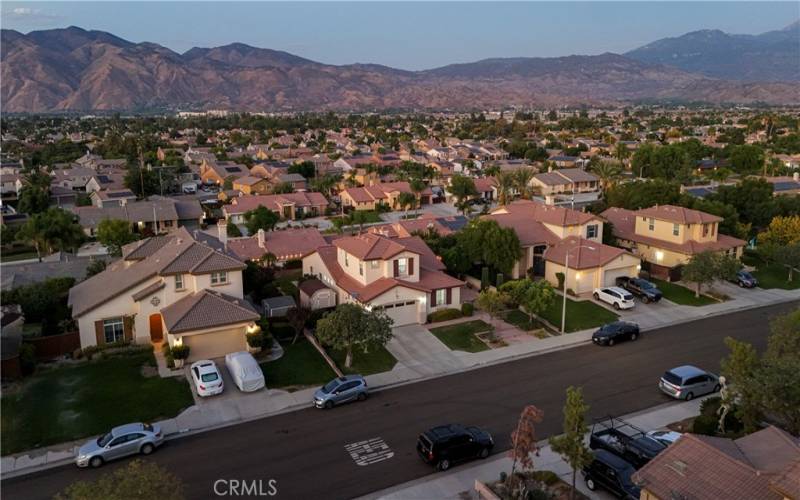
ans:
(219, 278)
(402, 266)
(651, 224)
(178, 282)
(113, 330)
(167, 223)
(676, 229)
(591, 231)
(346, 261)
(361, 268)
(441, 296)
(713, 229)
(705, 229)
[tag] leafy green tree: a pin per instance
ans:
(752, 199)
(114, 234)
(570, 445)
(52, 230)
(233, 230)
(492, 302)
(324, 184)
(350, 327)
(485, 240)
(538, 297)
(138, 480)
(636, 195)
(283, 188)
(522, 178)
(143, 182)
(700, 270)
(406, 201)
(746, 159)
(463, 188)
(33, 200)
(739, 369)
(305, 168)
(96, 266)
(789, 257)
(260, 218)
(782, 231)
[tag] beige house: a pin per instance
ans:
(400, 276)
(565, 181)
(289, 206)
(387, 193)
(168, 288)
(591, 264)
(251, 185)
(667, 236)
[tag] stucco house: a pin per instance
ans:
(288, 206)
(591, 264)
(387, 193)
(400, 276)
(667, 236)
(566, 180)
(170, 288)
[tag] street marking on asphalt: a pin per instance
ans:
(369, 452)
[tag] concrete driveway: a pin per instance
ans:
(421, 352)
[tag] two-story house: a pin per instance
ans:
(172, 288)
(667, 236)
(217, 172)
(400, 276)
(566, 180)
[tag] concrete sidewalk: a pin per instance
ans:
(459, 482)
(420, 356)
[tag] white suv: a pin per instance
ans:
(616, 296)
(207, 378)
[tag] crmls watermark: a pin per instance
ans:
(246, 487)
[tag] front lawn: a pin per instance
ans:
(301, 365)
(681, 295)
(377, 360)
(521, 320)
(461, 337)
(581, 315)
(74, 402)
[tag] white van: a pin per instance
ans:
(244, 370)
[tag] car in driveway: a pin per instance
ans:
(341, 390)
(617, 331)
(121, 441)
(207, 378)
(244, 370)
(445, 445)
(618, 297)
(612, 473)
(645, 290)
(687, 382)
(745, 280)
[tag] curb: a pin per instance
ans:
(190, 432)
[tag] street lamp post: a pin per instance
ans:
(564, 291)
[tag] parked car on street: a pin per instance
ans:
(664, 437)
(611, 473)
(624, 440)
(244, 370)
(121, 441)
(341, 390)
(745, 280)
(641, 288)
(207, 379)
(611, 333)
(445, 445)
(687, 382)
(616, 296)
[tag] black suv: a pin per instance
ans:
(612, 473)
(611, 333)
(445, 445)
(643, 289)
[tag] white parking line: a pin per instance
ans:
(369, 452)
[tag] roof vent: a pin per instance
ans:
(679, 467)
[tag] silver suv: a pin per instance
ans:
(128, 439)
(687, 382)
(341, 390)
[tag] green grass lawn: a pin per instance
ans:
(681, 295)
(461, 337)
(18, 256)
(301, 365)
(377, 360)
(74, 402)
(521, 320)
(581, 315)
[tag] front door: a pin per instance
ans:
(156, 328)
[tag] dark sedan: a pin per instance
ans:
(611, 333)
(746, 280)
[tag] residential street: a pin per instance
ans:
(305, 451)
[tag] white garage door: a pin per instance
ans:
(585, 282)
(215, 344)
(403, 313)
(611, 275)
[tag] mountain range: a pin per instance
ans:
(73, 69)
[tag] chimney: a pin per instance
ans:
(222, 227)
(262, 238)
(550, 168)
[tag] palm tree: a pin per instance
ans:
(609, 173)
(505, 183)
(405, 200)
(522, 180)
(417, 187)
(621, 152)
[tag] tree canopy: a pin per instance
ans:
(350, 327)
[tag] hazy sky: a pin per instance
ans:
(409, 35)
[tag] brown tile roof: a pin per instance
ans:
(310, 286)
(369, 246)
(529, 232)
(711, 468)
(206, 309)
(548, 214)
(787, 483)
(242, 204)
(680, 215)
(565, 176)
(147, 291)
(583, 253)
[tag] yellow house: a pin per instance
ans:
(667, 236)
(591, 264)
(251, 185)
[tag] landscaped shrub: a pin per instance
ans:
(180, 351)
(255, 339)
(560, 277)
(281, 331)
(705, 424)
(571, 292)
(27, 358)
(467, 309)
(443, 315)
(548, 477)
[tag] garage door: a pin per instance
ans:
(402, 313)
(215, 344)
(611, 275)
(585, 283)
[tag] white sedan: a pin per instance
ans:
(616, 296)
(207, 378)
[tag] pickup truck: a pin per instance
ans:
(624, 440)
(642, 288)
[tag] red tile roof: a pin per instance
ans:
(242, 204)
(548, 214)
(680, 215)
(583, 253)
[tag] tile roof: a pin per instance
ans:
(529, 232)
(583, 253)
(242, 204)
(677, 214)
(787, 483)
(369, 246)
(285, 244)
(310, 286)
(147, 291)
(548, 214)
(206, 309)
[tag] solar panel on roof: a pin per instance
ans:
(232, 170)
(786, 186)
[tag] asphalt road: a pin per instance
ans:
(304, 451)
